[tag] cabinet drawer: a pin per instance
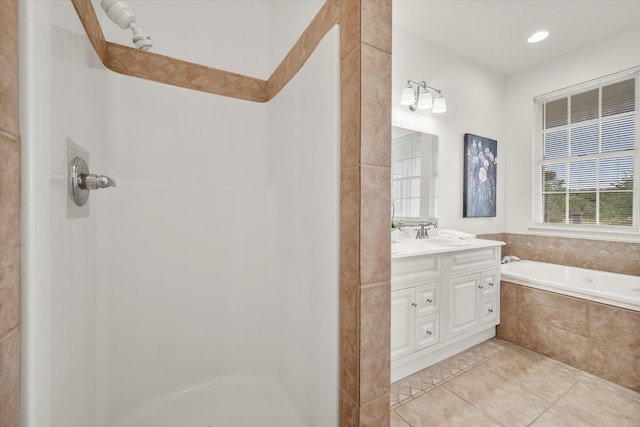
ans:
(427, 332)
(488, 310)
(474, 260)
(427, 299)
(490, 283)
(424, 267)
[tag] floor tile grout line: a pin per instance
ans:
(474, 406)
(403, 419)
(526, 386)
(555, 404)
(550, 404)
(407, 379)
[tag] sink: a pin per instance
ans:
(418, 246)
(443, 241)
(410, 246)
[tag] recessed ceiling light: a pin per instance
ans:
(540, 35)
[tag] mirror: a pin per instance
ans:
(414, 176)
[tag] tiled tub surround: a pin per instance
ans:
(591, 336)
(602, 255)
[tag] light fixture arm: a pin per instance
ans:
(416, 91)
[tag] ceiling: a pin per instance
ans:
(493, 33)
(490, 33)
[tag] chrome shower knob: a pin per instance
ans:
(82, 181)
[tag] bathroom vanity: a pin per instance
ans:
(445, 298)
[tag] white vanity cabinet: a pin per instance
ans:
(443, 301)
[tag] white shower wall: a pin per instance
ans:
(216, 254)
(64, 92)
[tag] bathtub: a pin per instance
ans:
(587, 319)
(619, 290)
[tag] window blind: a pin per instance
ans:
(586, 166)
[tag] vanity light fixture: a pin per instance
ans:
(419, 96)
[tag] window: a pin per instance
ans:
(586, 154)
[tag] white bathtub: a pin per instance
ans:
(620, 290)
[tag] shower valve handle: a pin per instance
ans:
(95, 182)
(82, 181)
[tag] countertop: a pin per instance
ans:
(436, 245)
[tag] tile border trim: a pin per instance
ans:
(164, 69)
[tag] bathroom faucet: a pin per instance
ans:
(423, 233)
(509, 258)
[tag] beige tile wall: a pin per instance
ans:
(594, 337)
(9, 217)
(615, 257)
(365, 258)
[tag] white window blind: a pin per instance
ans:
(586, 160)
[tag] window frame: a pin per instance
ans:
(608, 232)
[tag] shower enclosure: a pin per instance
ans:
(202, 290)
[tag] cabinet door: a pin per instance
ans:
(463, 304)
(427, 331)
(402, 322)
(427, 299)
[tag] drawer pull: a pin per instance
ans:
(428, 332)
(490, 310)
(429, 300)
(414, 304)
(490, 283)
(481, 287)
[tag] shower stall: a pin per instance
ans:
(203, 289)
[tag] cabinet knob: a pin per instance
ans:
(491, 310)
(429, 300)
(414, 304)
(491, 284)
(480, 286)
(428, 332)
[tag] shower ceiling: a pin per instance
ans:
(491, 33)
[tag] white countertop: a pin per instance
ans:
(416, 247)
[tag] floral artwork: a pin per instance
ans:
(480, 166)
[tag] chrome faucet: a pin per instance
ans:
(509, 258)
(423, 233)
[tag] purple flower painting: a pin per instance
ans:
(480, 167)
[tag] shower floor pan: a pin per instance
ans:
(238, 401)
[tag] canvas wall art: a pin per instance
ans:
(480, 168)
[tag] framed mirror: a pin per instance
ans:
(414, 176)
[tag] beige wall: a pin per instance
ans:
(9, 217)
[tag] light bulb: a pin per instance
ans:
(539, 36)
(439, 105)
(408, 97)
(425, 100)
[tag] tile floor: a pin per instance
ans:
(498, 383)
